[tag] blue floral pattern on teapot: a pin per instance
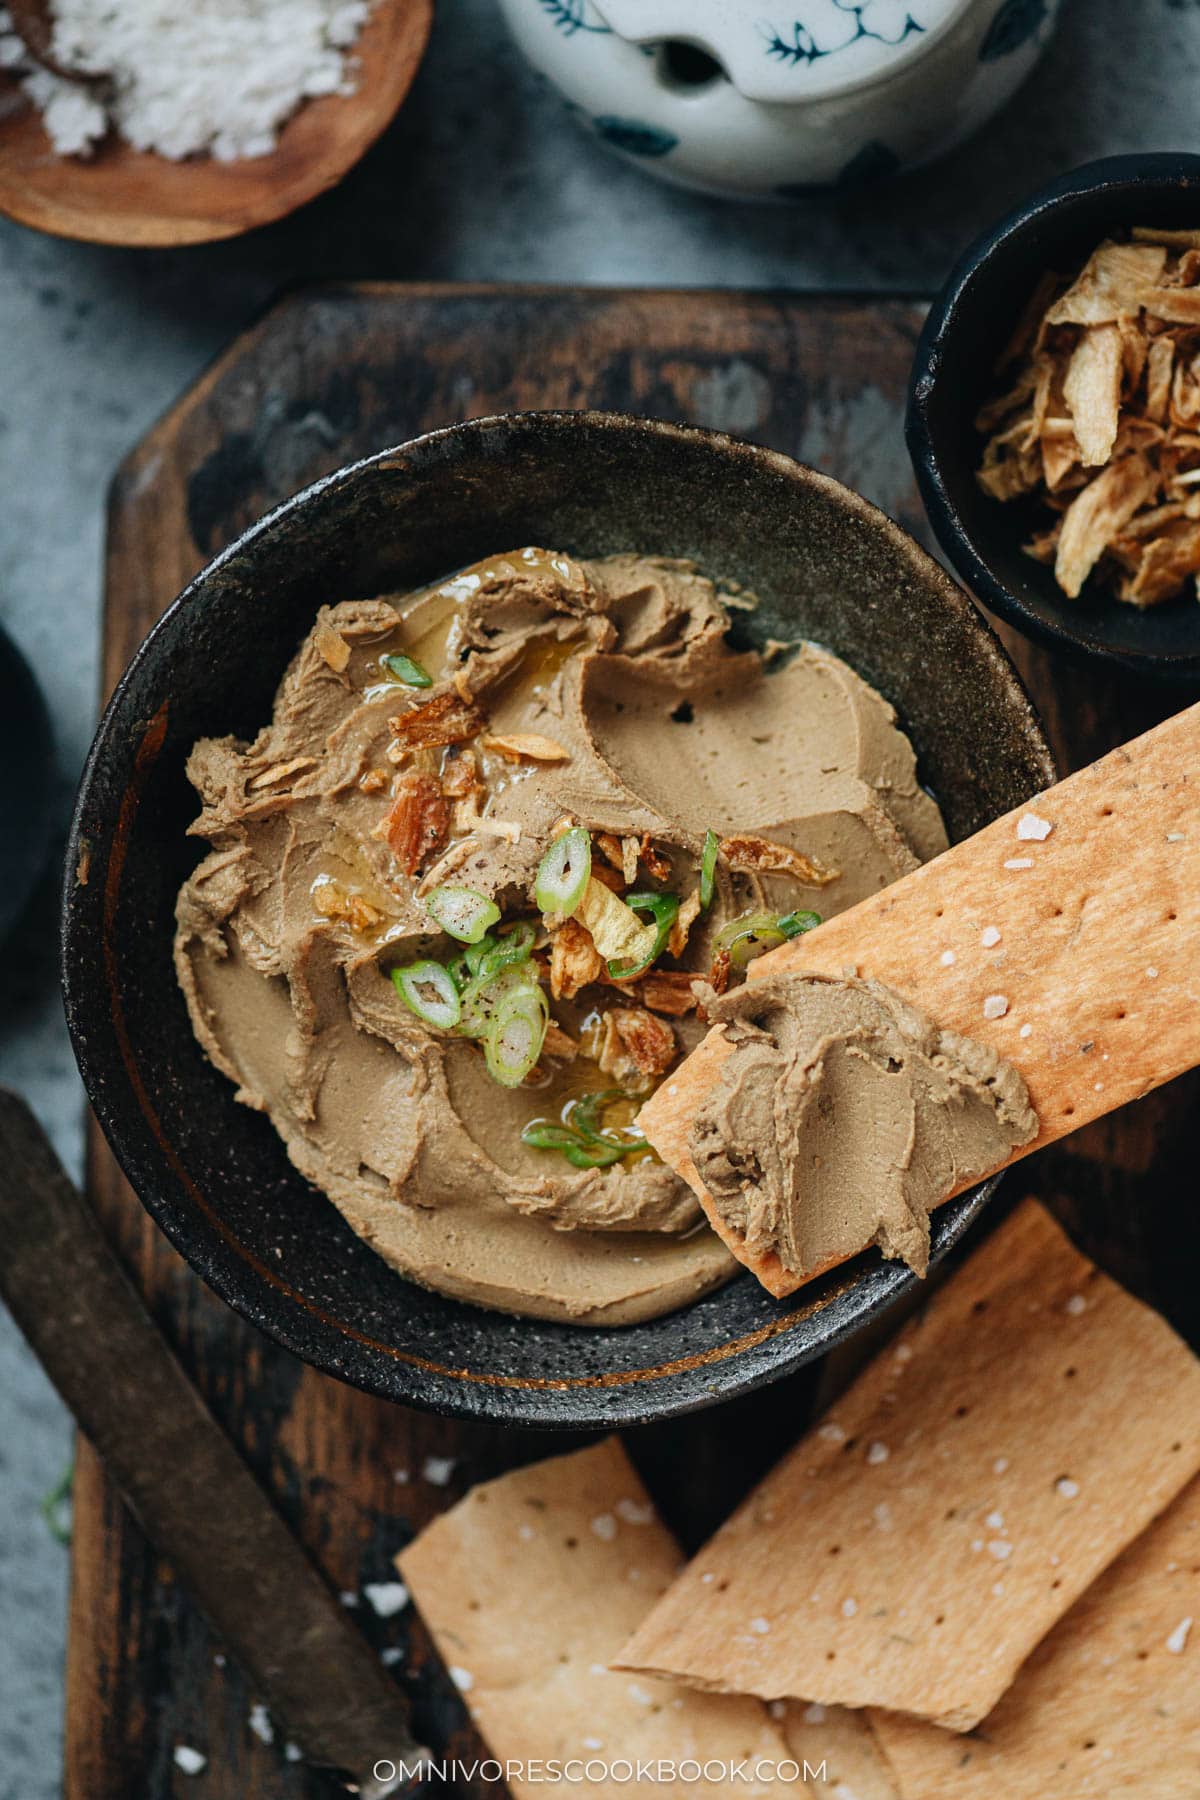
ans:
(781, 98)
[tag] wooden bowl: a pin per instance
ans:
(134, 197)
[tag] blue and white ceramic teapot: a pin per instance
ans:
(775, 98)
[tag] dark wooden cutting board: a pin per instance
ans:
(330, 375)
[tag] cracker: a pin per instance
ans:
(1108, 1704)
(1096, 954)
(919, 1543)
(841, 1749)
(529, 1586)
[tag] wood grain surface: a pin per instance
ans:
(121, 195)
(327, 376)
(1084, 941)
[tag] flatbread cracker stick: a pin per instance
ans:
(529, 1586)
(1109, 1703)
(1089, 902)
(918, 1544)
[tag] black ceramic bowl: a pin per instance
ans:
(954, 373)
(213, 1174)
(26, 780)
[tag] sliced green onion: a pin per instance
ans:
(462, 912)
(795, 924)
(486, 993)
(563, 873)
(541, 1134)
(458, 970)
(514, 1041)
(580, 1139)
(662, 909)
(708, 868)
(591, 1156)
(404, 669)
(498, 950)
(427, 989)
(581, 1116)
(747, 937)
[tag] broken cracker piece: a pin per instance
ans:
(1108, 1704)
(529, 1586)
(990, 1462)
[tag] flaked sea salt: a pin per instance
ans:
(948, 959)
(1019, 862)
(386, 1598)
(215, 77)
(463, 1680)
(989, 937)
(1177, 1642)
(877, 1453)
(1066, 1487)
(760, 1626)
(995, 1006)
(189, 1761)
(849, 1608)
(605, 1527)
(1025, 1031)
(260, 1723)
(1031, 827)
(437, 1470)
(635, 1512)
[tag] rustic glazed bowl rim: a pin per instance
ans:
(969, 278)
(846, 1299)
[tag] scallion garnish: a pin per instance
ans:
(591, 1156)
(584, 1143)
(748, 936)
(752, 933)
(428, 990)
(497, 950)
(563, 873)
(514, 1041)
(663, 909)
(708, 868)
(463, 912)
(484, 995)
(795, 924)
(540, 1134)
(405, 669)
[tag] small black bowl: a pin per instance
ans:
(214, 1175)
(954, 372)
(26, 780)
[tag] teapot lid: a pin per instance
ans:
(790, 50)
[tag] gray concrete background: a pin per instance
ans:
(481, 178)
